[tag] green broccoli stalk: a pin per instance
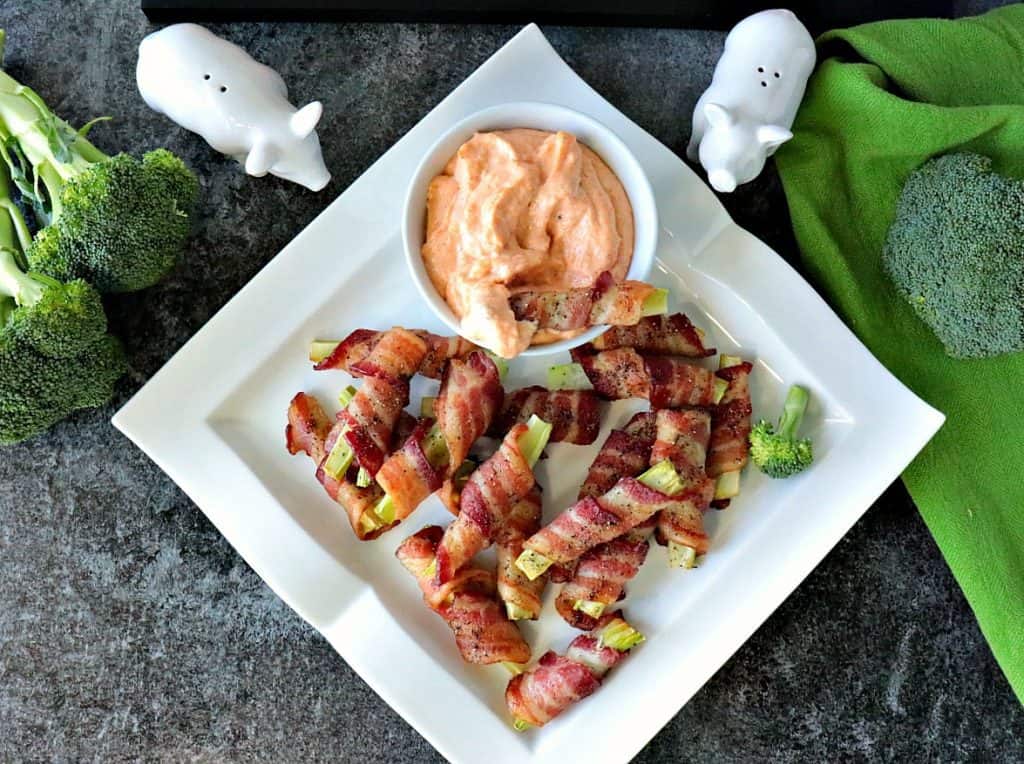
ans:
(117, 222)
(954, 253)
(57, 320)
(778, 452)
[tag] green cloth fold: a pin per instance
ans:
(885, 98)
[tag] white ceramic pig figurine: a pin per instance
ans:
(240, 106)
(748, 110)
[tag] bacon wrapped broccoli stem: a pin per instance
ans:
(604, 303)
(466, 602)
(520, 595)
(349, 353)
(682, 438)
(601, 576)
(311, 431)
(467, 403)
(730, 430)
(542, 692)
(592, 521)
(491, 492)
(665, 381)
(657, 335)
(574, 415)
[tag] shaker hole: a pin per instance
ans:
(777, 75)
(206, 76)
(764, 84)
(223, 88)
(760, 69)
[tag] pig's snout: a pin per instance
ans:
(722, 181)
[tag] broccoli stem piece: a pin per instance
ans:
(520, 726)
(363, 478)
(427, 406)
(500, 363)
(341, 456)
(531, 443)
(513, 668)
(728, 485)
(321, 349)
(25, 289)
(662, 477)
(656, 303)
(619, 635)
(590, 607)
(516, 613)
(721, 386)
(568, 376)
(681, 555)
(725, 361)
(792, 412)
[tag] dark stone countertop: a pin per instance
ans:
(130, 629)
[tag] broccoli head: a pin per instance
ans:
(955, 252)
(117, 222)
(778, 453)
(121, 223)
(37, 391)
(57, 320)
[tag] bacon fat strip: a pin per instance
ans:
(307, 428)
(604, 303)
(350, 352)
(466, 602)
(661, 335)
(730, 425)
(574, 414)
(493, 489)
(541, 693)
(665, 381)
(592, 521)
(602, 573)
(522, 597)
(682, 438)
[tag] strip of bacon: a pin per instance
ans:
(520, 595)
(371, 417)
(574, 414)
(682, 438)
(667, 382)
(468, 402)
(592, 521)
(350, 352)
(663, 335)
(493, 489)
(466, 602)
(541, 693)
(307, 428)
(730, 425)
(622, 455)
(604, 303)
(601, 575)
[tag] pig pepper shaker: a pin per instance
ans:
(240, 106)
(748, 110)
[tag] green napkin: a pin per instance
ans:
(886, 97)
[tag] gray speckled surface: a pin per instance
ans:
(130, 629)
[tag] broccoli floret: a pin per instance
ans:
(37, 391)
(955, 252)
(779, 453)
(116, 222)
(57, 320)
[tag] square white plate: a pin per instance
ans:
(213, 419)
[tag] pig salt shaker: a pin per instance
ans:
(748, 110)
(240, 106)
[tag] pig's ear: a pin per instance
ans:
(261, 158)
(717, 115)
(772, 136)
(304, 121)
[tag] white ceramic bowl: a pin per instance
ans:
(540, 116)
